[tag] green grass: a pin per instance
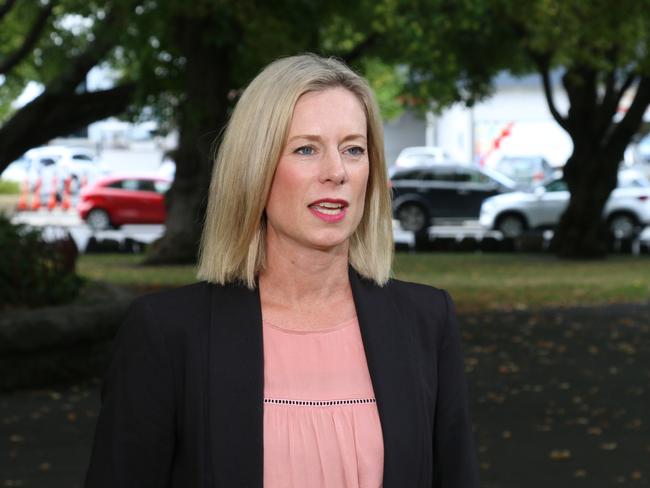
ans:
(9, 187)
(475, 281)
(496, 281)
(125, 269)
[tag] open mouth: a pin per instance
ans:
(329, 208)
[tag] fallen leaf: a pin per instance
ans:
(560, 454)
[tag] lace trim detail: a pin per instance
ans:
(318, 403)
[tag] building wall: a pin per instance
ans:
(407, 130)
(469, 134)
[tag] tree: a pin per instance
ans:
(455, 48)
(56, 43)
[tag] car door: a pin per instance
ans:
(125, 201)
(472, 188)
(549, 206)
(441, 192)
(151, 201)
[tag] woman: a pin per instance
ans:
(297, 362)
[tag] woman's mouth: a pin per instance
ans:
(329, 210)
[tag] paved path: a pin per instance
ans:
(560, 398)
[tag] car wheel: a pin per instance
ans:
(623, 226)
(511, 226)
(98, 219)
(412, 217)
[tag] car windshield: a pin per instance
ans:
(82, 157)
(556, 185)
(500, 178)
(517, 166)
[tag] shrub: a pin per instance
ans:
(34, 272)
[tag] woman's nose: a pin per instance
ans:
(333, 168)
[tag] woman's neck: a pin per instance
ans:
(298, 283)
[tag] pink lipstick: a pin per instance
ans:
(329, 209)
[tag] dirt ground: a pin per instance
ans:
(559, 398)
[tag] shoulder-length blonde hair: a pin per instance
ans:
(233, 241)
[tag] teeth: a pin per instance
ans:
(329, 211)
(330, 205)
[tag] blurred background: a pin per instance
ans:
(518, 150)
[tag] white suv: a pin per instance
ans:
(70, 161)
(626, 211)
(420, 156)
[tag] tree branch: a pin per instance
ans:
(6, 7)
(544, 71)
(610, 102)
(626, 128)
(78, 68)
(53, 115)
(30, 39)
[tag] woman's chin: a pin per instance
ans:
(329, 241)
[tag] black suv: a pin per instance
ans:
(444, 192)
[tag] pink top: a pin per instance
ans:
(321, 425)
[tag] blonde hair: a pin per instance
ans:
(233, 241)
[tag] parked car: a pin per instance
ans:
(527, 170)
(420, 156)
(46, 163)
(73, 162)
(117, 200)
(626, 211)
(425, 194)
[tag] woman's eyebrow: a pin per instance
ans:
(313, 137)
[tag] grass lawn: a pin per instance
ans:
(475, 281)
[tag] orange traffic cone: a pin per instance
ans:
(51, 203)
(65, 202)
(24, 194)
(36, 196)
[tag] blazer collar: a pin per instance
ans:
(236, 384)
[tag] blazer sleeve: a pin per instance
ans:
(454, 450)
(134, 437)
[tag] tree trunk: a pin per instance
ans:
(582, 232)
(201, 116)
(599, 143)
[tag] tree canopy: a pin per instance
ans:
(454, 49)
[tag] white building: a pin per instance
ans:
(517, 116)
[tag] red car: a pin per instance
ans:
(118, 200)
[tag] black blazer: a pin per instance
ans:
(182, 400)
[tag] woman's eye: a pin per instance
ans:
(356, 151)
(305, 150)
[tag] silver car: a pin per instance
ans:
(626, 211)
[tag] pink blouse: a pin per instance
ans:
(321, 425)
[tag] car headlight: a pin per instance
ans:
(487, 206)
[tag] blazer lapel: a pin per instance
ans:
(388, 353)
(236, 387)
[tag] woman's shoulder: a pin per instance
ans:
(417, 293)
(430, 307)
(174, 311)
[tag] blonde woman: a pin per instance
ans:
(296, 361)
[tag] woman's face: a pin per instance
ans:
(318, 191)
